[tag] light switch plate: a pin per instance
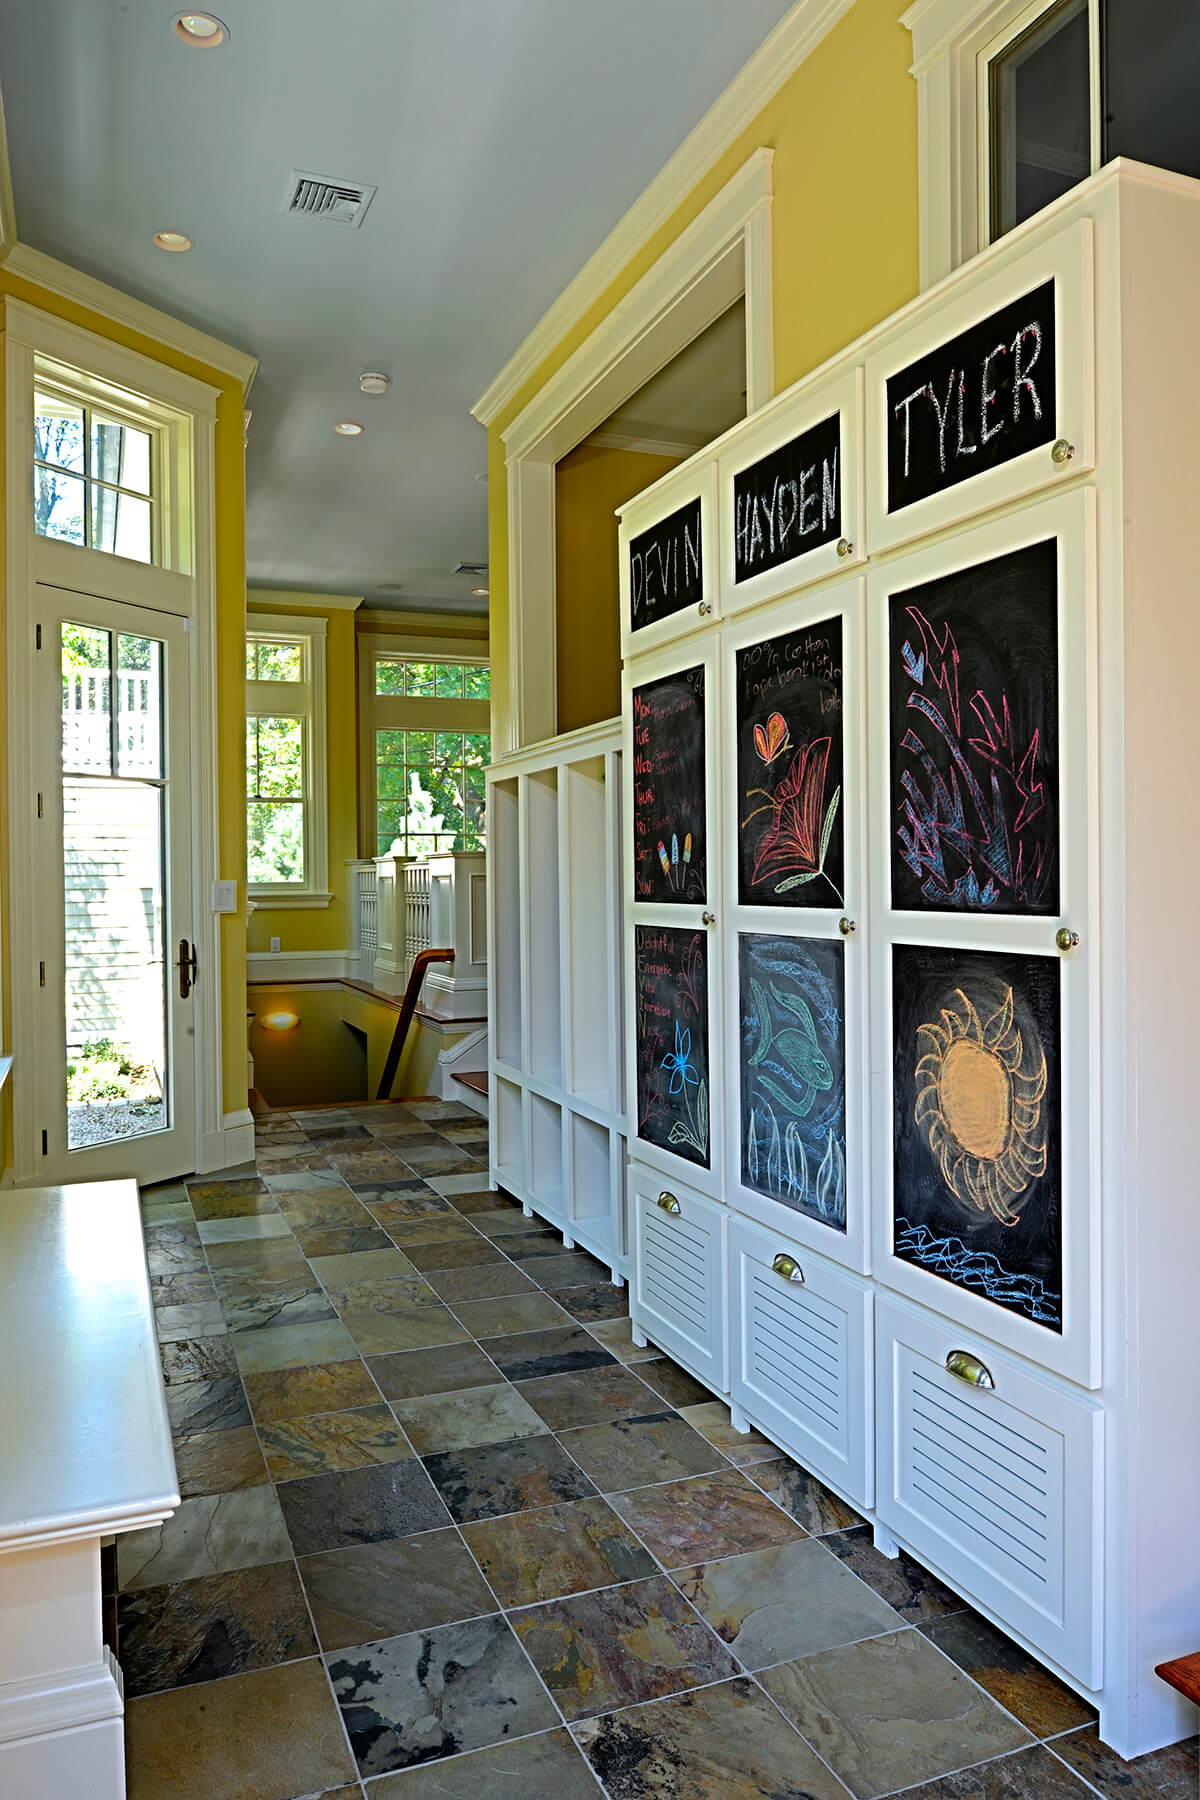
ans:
(224, 896)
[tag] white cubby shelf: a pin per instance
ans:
(556, 1080)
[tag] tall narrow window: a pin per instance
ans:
(286, 828)
(94, 478)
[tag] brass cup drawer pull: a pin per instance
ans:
(668, 1202)
(789, 1268)
(965, 1367)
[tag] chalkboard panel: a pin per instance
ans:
(671, 978)
(666, 571)
(790, 768)
(790, 502)
(669, 826)
(793, 1073)
(978, 1124)
(973, 678)
(973, 403)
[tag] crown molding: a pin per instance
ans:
(8, 209)
(284, 599)
(773, 63)
(110, 303)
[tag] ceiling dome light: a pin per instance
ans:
(374, 383)
(172, 240)
(480, 593)
(347, 428)
(280, 1021)
(203, 31)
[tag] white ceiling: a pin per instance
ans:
(506, 139)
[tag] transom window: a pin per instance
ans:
(1068, 85)
(286, 826)
(430, 743)
(95, 477)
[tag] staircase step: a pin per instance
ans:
(1183, 1674)
(474, 1079)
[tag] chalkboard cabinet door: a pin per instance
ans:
(801, 1365)
(992, 1475)
(670, 710)
(793, 820)
(983, 800)
(667, 548)
(678, 1298)
(985, 395)
(791, 495)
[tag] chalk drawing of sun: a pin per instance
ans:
(980, 1110)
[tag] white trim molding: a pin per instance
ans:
(229, 1147)
(949, 37)
(723, 255)
(772, 64)
(305, 700)
(278, 966)
(110, 303)
(8, 209)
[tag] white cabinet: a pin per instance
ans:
(668, 561)
(994, 1475)
(950, 1056)
(556, 1072)
(678, 1295)
(800, 1362)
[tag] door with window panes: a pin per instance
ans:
(431, 743)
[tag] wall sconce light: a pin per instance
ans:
(279, 1021)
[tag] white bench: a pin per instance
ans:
(85, 1452)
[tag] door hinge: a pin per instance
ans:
(38, 630)
(45, 1145)
(39, 806)
(41, 974)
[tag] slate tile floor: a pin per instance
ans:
(448, 1534)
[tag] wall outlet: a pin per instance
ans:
(224, 896)
(274, 946)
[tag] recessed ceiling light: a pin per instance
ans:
(372, 383)
(203, 31)
(172, 240)
(347, 428)
(480, 593)
(390, 587)
(482, 478)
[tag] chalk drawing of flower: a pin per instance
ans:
(771, 739)
(677, 1063)
(795, 841)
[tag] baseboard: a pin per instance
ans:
(298, 965)
(229, 1147)
(60, 1701)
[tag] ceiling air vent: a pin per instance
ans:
(465, 568)
(323, 197)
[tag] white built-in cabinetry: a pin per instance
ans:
(910, 853)
(555, 1064)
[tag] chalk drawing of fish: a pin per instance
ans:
(799, 1071)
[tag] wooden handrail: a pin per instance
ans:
(412, 993)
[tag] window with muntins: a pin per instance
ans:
(95, 476)
(431, 745)
(286, 827)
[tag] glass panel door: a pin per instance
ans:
(116, 1054)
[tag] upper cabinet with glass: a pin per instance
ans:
(94, 478)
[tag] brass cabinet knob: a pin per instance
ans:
(847, 927)
(1066, 939)
(704, 608)
(1061, 453)
(707, 918)
(668, 1202)
(845, 548)
(965, 1367)
(789, 1268)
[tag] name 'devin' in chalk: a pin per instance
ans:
(765, 522)
(666, 567)
(957, 414)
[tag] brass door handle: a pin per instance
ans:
(965, 1367)
(789, 1268)
(668, 1202)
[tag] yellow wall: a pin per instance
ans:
(325, 928)
(589, 485)
(230, 574)
(844, 133)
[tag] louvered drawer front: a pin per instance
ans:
(998, 1485)
(800, 1360)
(678, 1281)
